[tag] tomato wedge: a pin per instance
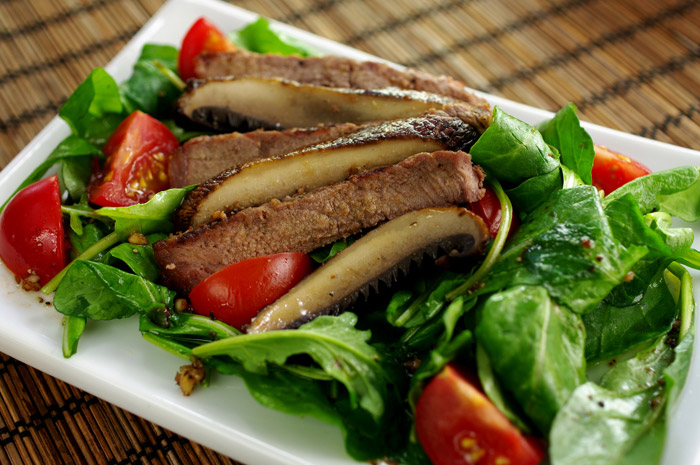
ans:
(137, 163)
(612, 170)
(489, 209)
(32, 240)
(203, 37)
(458, 425)
(237, 293)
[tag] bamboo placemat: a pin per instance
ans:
(629, 65)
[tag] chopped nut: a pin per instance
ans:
(218, 215)
(629, 276)
(170, 266)
(31, 282)
(181, 305)
(189, 376)
(137, 238)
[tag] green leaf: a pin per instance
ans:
(91, 233)
(566, 245)
(332, 342)
(72, 146)
(684, 204)
(148, 89)
(95, 108)
(324, 254)
(73, 328)
(532, 192)
(575, 145)
(74, 176)
(152, 216)
(100, 292)
(536, 348)
(259, 37)
(649, 190)
(512, 150)
(635, 312)
(139, 258)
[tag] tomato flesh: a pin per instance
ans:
(137, 163)
(458, 425)
(238, 292)
(489, 209)
(612, 170)
(32, 240)
(202, 37)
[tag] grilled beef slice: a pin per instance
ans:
(331, 71)
(305, 222)
(206, 156)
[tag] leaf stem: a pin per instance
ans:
(103, 244)
(685, 297)
(496, 247)
(691, 259)
(172, 77)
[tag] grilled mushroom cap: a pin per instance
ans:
(247, 103)
(375, 257)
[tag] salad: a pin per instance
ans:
(577, 329)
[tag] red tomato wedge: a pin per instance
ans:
(137, 163)
(612, 170)
(489, 209)
(203, 37)
(32, 240)
(458, 425)
(237, 293)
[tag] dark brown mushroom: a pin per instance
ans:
(247, 103)
(373, 258)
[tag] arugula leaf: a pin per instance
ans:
(73, 328)
(685, 204)
(536, 348)
(100, 292)
(512, 150)
(332, 342)
(95, 108)
(259, 37)
(532, 192)
(575, 145)
(324, 254)
(91, 234)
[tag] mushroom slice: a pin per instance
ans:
(323, 164)
(247, 103)
(373, 258)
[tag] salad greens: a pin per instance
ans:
(586, 284)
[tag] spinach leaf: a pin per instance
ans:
(684, 204)
(100, 292)
(600, 424)
(495, 393)
(649, 190)
(635, 312)
(91, 233)
(333, 343)
(74, 176)
(95, 108)
(139, 258)
(512, 150)
(566, 245)
(72, 146)
(536, 348)
(260, 38)
(152, 216)
(148, 89)
(324, 254)
(532, 192)
(575, 145)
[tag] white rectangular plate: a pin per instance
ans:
(116, 364)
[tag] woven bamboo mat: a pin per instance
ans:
(628, 64)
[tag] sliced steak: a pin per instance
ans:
(331, 71)
(305, 222)
(204, 157)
